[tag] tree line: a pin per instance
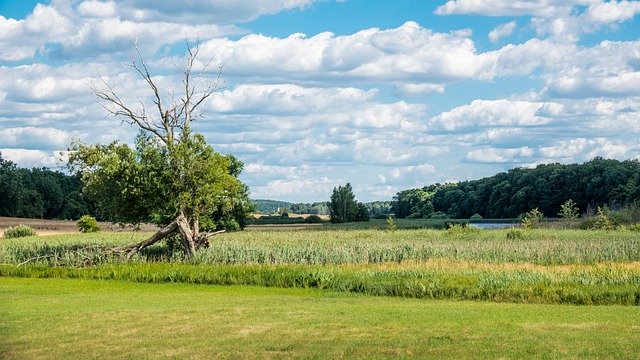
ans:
(41, 193)
(509, 194)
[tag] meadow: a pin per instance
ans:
(536, 266)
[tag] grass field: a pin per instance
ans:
(81, 319)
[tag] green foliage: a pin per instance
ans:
(415, 203)
(19, 231)
(515, 234)
(313, 219)
(602, 221)
(39, 193)
(532, 219)
(460, 229)
(343, 206)
(391, 224)
(476, 217)
(153, 182)
(546, 187)
(88, 224)
(439, 215)
(569, 210)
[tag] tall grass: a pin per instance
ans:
(440, 279)
(545, 247)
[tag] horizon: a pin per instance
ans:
(384, 95)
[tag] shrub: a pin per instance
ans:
(476, 217)
(532, 219)
(514, 234)
(602, 221)
(88, 224)
(19, 231)
(313, 219)
(462, 229)
(439, 215)
(391, 224)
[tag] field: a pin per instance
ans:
(326, 292)
(79, 319)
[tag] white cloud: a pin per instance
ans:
(562, 19)
(200, 11)
(612, 11)
(582, 149)
(418, 89)
(486, 113)
(542, 8)
(407, 54)
(300, 190)
(493, 155)
(502, 31)
(33, 158)
(34, 138)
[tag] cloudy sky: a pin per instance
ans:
(385, 94)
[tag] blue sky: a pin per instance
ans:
(387, 95)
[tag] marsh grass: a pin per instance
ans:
(542, 266)
(307, 247)
(599, 284)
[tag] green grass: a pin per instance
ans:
(81, 319)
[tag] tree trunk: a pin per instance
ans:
(131, 250)
(191, 238)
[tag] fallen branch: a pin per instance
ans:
(33, 259)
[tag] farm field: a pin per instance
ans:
(79, 319)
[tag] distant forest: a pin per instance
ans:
(377, 209)
(40, 193)
(509, 194)
(47, 194)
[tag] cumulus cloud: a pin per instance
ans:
(407, 54)
(485, 113)
(193, 11)
(543, 8)
(561, 19)
(493, 155)
(501, 31)
(585, 149)
(297, 190)
(33, 158)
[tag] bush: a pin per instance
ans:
(313, 219)
(462, 229)
(88, 224)
(514, 234)
(602, 221)
(476, 217)
(439, 215)
(19, 231)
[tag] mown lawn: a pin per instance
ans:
(80, 319)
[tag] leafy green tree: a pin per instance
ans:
(362, 212)
(11, 188)
(569, 210)
(343, 204)
(172, 177)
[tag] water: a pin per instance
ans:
(494, 225)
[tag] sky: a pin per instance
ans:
(385, 94)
